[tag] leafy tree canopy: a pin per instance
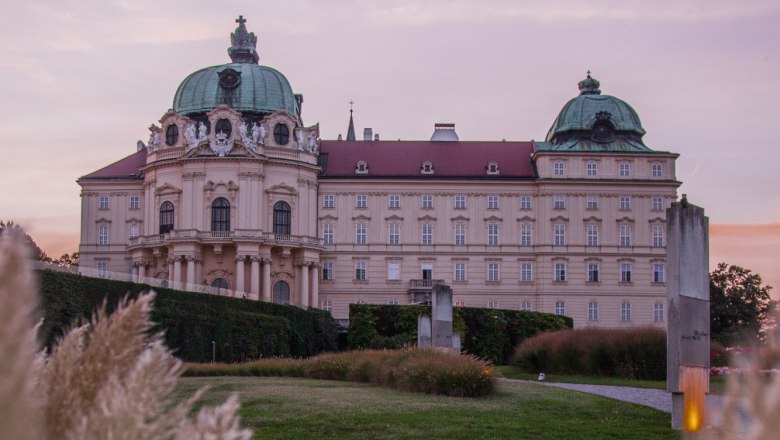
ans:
(36, 252)
(739, 305)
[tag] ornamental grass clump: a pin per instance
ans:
(108, 379)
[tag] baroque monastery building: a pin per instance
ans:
(234, 195)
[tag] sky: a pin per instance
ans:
(80, 82)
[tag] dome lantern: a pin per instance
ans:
(243, 44)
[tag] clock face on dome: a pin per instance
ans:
(229, 79)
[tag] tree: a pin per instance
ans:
(739, 305)
(68, 259)
(35, 251)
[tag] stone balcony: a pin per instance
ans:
(243, 235)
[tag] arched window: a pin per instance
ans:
(281, 134)
(282, 218)
(219, 283)
(166, 217)
(220, 215)
(171, 134)
(281, 293)
(223, 126)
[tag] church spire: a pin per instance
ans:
(243, 44)
(351, 129)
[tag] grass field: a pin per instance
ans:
(291, 408)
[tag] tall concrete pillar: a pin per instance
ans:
(305, 284)
(240, 273)
(688, 329)
(190, 271)
(267, 279)
(255, 276)
(315, 286)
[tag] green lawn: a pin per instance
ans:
(291, 408)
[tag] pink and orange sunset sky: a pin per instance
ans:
(82, 80)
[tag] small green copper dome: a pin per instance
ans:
(242, 85)
(582, 112)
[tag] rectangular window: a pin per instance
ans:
(625, 272)
(492, 272)
(525, 202)
(492, 202)
(427, 233)
(624, 169)
(460, 202)
(560, 308)
(492, 234)
(593, 273)
(658, 312)
(393, 302)
(132, 231)
(592, 168)
(593, 311)
(135, 202)
(328, 201)
(658, 273)
(327, 270)
(625, 311)
(327, 305)
(526, 234)
(427, 201)
(103, 202)
(360, 233)
(393, 233)
(526, 272)
(102, 268)
(526, 306)
(459, 303)
(593, 202)
(560, 271)
(460, 233)
(394, 270)
(493, 305)
(559, 202)
(327, 233)
(360, 270)
(658, 236)
(560, 234)
(558, 168)
(361, 201)
(625, 203)
(625, 235)
(658, 170)
(593, 235)
(658, 204)
(460, 271)
(102, 234)
(394, 201)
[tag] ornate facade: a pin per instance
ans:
(233, 192)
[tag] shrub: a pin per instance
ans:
(411, 369)
(638, 353)
(491, 334)
(242, 329)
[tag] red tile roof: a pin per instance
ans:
(464, 159)
(127, 168)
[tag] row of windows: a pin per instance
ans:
(592, 234)
(493, 272)
(558, 309)
(135, 202)
(281, 131)
(592, 169)
(220, 217)
(426, 202)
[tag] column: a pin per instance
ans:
(315, 286)
(190, 271)
(170, 272)
(240, 273)
(141, 272)
(176, 272)
(305, 284)
(255, 276)
(136, 277)
(267, 279)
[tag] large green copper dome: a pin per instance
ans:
(595, 122)
(242, 85)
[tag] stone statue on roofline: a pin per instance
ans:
(154, 141)
(190, 137)
(258, 133)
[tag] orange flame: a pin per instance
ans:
(694, 384)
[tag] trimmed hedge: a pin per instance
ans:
(242, 329)
(490, 334)
(637, 353)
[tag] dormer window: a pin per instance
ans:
(281, 134)
(171, 135)
(558, 168)
(492, 169)
(362, 167)
(223, 126)
(427, 167)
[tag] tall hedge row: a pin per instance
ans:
(490, 334)
(241, 329)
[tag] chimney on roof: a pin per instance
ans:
(340, 138)
(368, 134)
(376, 136)
(444, 133)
